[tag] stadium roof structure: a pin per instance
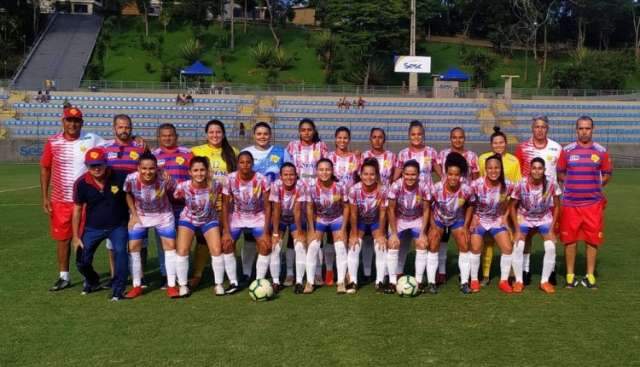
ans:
(196, 69)
(453, 74)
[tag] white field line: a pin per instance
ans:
(19, 189)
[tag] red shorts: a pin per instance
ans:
(582, 223)
(60, 223)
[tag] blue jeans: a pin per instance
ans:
(91, 239)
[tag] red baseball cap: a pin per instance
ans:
(72, 113)
(95, 156)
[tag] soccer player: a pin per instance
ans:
(457, 139)
(245, 209)
(173, 159)
(535, 206)
(61, 164)
(511, 165)
(199, 215)
(426, 156)
(408, 213)
(584, 168)
(267, 161)
(288, 200)
(452, 210)
(99, 194)
(305, 154)
(345, 165)
(222, 158)
(490, 219)
(148, 199)
(386, 159)
(368, 214)
(327, 211)
(539, 145)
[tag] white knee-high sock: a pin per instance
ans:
(474, 265)
(248, 256)
(341, 260)
(464, 266)
(262, 265)
(526, 261)
(367, 255)
(353, 261)
(136, 268)
(319, 263)
(549, 261)
(329, 256)
(312, 260)
(421, 264)
(505, 266)
(405, 245)
(290, 256)
(392, 265)
(301, 261)
(182, 269)
(170, 267)
(381, 262)
(230, 267)
(442, 258)
(217, 264)
(517, 260)
(274, 263)
(432, 266)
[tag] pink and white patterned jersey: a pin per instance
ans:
(345, 168)
(527, 150)
(533, 205)
(287, 199)
(409, 203)
(386, 162)
(472, 161)
(328, 202)
(368, 204)
(305, 157)
(448, 207)
(65, 158)
(200, 203)
(427, 158)
(491, 202)
(151, 199)
(248, 198)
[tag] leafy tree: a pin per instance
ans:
(481, 64)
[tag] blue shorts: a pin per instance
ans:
(543, 229)
(481, 231)
(414, 232)
(292, 227)
(143, 233)
(256, 232)
(368, 228)
(457, 224)
(329, 227)
(202, 228)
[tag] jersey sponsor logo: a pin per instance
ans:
(161, 162)
(275, 158)
(574, 157)
(180, 161)
(134, 155)
(83, 148)
(112, 155)
(595, 158)
(114, 189)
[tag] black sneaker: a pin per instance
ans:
(59, 285)
(298, 288)
(390, 289)
(432, 288)
(587, 284)
(143, 283)
(573, 284)
(526, 277)
(352, 288)
(276, 288)
(108, 284)
(465, 289)
(552, 278)
(90, 289)
(380, 288)
(421, 287)
(485, 282)
(231, 289)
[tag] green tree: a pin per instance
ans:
(481, 64)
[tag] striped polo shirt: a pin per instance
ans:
(583, 167)
(175, 161)
(123, 157)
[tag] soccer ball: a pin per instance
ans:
(407, 286)
(260, 290)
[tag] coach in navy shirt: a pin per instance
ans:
(99, 194)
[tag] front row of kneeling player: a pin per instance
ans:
(409, 208)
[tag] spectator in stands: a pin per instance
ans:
(241, 130)
(39, 97)
(47, 97)
(189, 99)
(62, 162)
(179, 99)
(361, 102)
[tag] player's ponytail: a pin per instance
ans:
(496, 133)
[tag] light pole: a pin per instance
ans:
(413, 77)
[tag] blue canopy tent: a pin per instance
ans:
(454, 75)
(197, 69)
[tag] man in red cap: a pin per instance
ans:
(62, 162)
(100, 196)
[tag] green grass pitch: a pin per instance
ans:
(577, 327)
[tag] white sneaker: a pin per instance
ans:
(184, 291)
(288, 282)
(219, 290)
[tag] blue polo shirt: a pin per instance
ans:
(106, 208)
